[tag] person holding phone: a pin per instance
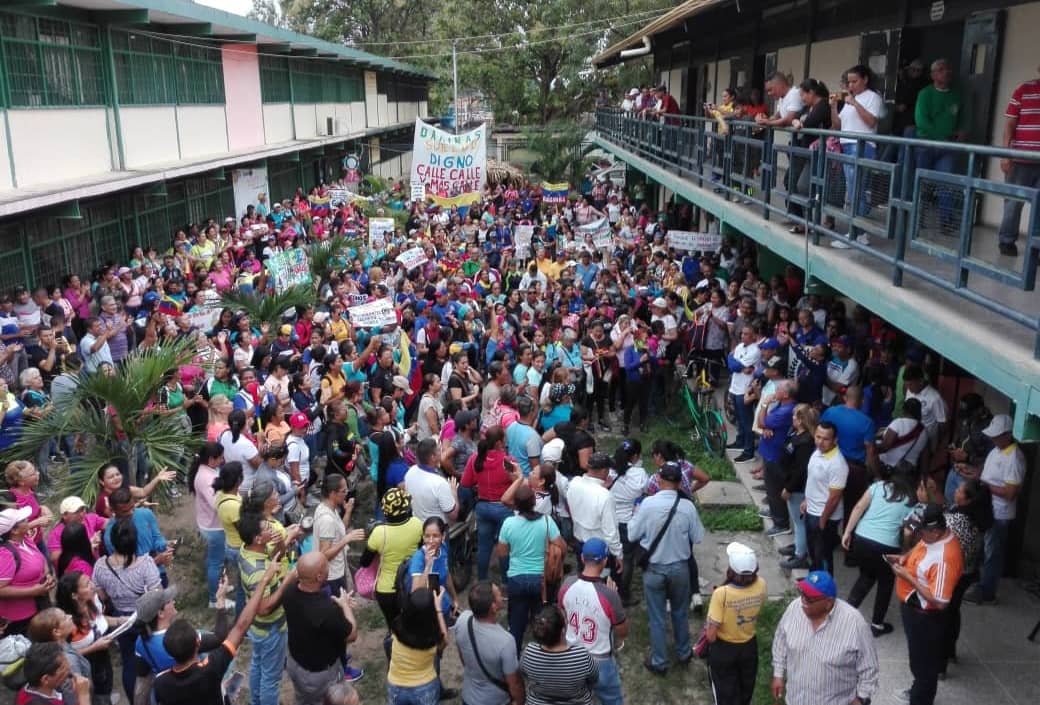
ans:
(428, 567)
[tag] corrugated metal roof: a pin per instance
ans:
(662, 23)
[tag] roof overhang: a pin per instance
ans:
(612, 54)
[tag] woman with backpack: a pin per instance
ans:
(25, 581)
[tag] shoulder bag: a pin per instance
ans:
(552, 572)
(480, 662)
(644, 560)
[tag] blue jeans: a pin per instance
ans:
(427, 694)
(265, 670)
(525, 599)
(856, 194)
(215, 554)
(993, 560)
(608, 687)
(490, 516)
(938, 160)
(665, 583)
(953, 480)
(231, 561)
(128, 656)
(794, 503)
(745, 420)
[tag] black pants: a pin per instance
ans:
(732, 669)
(855, 485)
(873, 568)
(953, 616)
(630, 552)
(822, 543)
(387, 602)
(925, 630)
(637, 392)
(774, 480)
(600, 393)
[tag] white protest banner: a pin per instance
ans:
(289, 269)
(339, 195)
(380, 231)
(449, 165)
(523, 236)
(203, 318)
(246, 186)
(418, 191)
(259, 229)
(694, 242)
(412, 258)
(602, 237)
(373, 314)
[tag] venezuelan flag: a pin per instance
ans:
(555, 193)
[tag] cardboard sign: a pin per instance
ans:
(373, 314)
(694, 242)
(380, 232)
(289, 269)
(412, 258)
(203, 318)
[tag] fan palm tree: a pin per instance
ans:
(333, 255)
(115, 419)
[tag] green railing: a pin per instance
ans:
(921, 209)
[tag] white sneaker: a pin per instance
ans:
(839, 244)
(902, 696)
(696, 601)
(863, 239)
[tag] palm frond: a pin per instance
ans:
(332, 255)
(268, 308)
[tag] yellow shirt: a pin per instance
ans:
(735, 610)
(410, 667)
(229, 507)
(394, 543)
(340, 329)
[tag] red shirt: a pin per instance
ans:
(493, 480)
(1025, 107)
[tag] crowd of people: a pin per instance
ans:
(489, 396)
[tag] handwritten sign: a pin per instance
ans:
(523, 235)
(694, 242)
(374, 314)
(203, 318)
(450, 165)
(380, 230)
(418, 191)
(412, 258)
(289, 269)
(339, 195)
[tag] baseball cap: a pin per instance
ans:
(401, 382)
(634, 91)
(552, 452)
(775, 363)
(931, 517)
(285, 329)
(71, 505)
(465, 417)
(742, 559)
(840, 340)
(671, 472)
(150, 604)
(9, 518)
(299, 420)
(999, 425)
(123, 270)
(818, 583)
(600, 461)
(659, 302)
(769, 344)
(559, 392)
(595, 549)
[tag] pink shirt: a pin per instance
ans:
(93, 523)
(31, 568)
(28, 499)
(206, 499)
(81, 565)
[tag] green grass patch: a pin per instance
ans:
(768, 617)
(730, 519)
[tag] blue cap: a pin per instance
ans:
(595, 550)
(769, 344)
(818, 583)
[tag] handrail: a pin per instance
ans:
(728, 162)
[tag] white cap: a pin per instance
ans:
(634, 91)
(999, 425)
(742, 559)
(71, 505)
(552, 451)
(659, 302)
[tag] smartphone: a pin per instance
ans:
(433, 581)
(174, 544)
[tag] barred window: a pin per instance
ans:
(156, 71)
(274, 79)
(50, 62)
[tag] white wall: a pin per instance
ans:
(791, 60)
(383, 119)
(424, 109)
(357, 116)
(149, 135)
(203, 130)
(303, 117)
(723, 81)
(829, 59)
(59, 144)
(1017, 65)
(321, 112)
(278, 125)
(6, 183)
(371, 99)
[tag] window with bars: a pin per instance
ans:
(50, 62)
(274, 79)
(155, 71)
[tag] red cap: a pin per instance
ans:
(299, 420)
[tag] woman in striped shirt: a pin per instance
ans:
(556, 673)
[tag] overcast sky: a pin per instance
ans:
(239, 7)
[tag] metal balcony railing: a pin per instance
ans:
(905, 208)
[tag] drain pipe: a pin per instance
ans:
(640, 51)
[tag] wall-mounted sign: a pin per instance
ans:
(937, 10)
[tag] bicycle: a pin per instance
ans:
(698, 392)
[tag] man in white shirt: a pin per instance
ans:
(741, 363)
(298, 454)
(432, 494)
(1003, 472)
(592, 508)
(789, 101)
(842, 371)
(94, 345)
(824, 485)
(933, 408)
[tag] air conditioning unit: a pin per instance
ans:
(329, 129)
